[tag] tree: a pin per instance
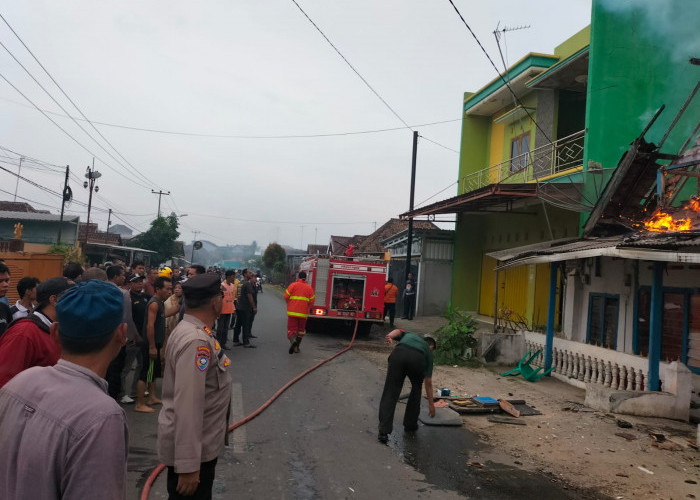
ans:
(274, 253)
(160, 238)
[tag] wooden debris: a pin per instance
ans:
(504, 420)
(508, 408)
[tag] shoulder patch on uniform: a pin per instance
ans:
(202, 357)
(226, 361)
(207, 330)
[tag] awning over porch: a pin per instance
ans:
(487, 198)
(660, 247)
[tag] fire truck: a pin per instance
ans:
(346, 289)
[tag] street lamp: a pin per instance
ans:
(91, 175)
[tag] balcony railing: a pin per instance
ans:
(536, 165)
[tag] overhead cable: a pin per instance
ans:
(364, 80)
(498, 72)
(72, 102)
(239, 136)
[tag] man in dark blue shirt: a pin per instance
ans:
(409, 297)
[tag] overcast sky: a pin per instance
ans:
(255, 68)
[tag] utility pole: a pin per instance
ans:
(409, 243)
(19, 171)
(160, 193)
(109, 219)
(91, 175)
(66, 197)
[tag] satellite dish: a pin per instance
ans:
(197, 245)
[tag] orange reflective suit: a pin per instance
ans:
(299, 297)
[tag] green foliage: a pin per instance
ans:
(70, 253)
(274, 253)
(160, 238)
(456, 336)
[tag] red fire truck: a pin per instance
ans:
(346, 289)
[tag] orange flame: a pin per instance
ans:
(662, 221)
(693, 204)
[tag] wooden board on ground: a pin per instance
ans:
(504, 420)
(476, 409)
(508, 408)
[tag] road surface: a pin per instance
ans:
(319, 439)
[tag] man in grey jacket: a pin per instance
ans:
(61, 435)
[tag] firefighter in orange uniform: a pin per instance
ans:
(299, 297)
(390, 293)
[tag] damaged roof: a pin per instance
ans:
(682, 246)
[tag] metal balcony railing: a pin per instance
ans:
(537, 165)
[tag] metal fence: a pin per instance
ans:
(536, 165)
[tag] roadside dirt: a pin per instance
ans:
(579, 446)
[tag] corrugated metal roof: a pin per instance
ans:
(510, 253)
(642, 246)
(20, 216)
(663, 240)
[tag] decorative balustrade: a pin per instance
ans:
(582, 364)
(541, 163)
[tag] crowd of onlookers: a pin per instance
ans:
(24, 326)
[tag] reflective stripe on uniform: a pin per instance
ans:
(298, 297)
(298, 315)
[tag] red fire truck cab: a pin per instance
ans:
(346, 289)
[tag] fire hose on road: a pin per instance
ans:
(154, 475)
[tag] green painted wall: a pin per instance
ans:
(639, 55)
(475, 145)
(466, 268)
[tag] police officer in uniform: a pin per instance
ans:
(192, 424)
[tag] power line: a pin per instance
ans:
(439, 192)
(68, 134)
(351, 66)
(62, 108)
(406, 125)
(239, 136)
(71, 101)
(438, 144)
(497, 71)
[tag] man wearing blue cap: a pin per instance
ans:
(62, 436)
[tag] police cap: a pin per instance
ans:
(202, 286)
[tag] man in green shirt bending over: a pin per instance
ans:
(413, 358)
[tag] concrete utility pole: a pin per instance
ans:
(19, 171)
(67, 195)
(160, 193)
(91, 175)
(409, 243)
(109, 219)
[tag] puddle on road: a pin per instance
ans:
(302, 477)
(442, 453)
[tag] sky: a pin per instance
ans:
(257, 127)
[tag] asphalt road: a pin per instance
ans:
(318, 440)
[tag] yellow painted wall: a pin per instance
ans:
(512, 288)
